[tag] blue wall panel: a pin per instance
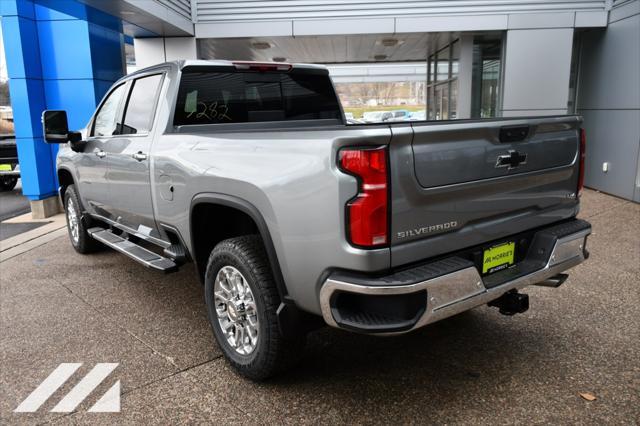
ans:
(35, 155)
(77, 97)
(17, 8)
(27, 95)
(20, 36)
(61, 54)
(59, 10)
(107, 52)
(65, 50)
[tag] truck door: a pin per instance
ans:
(130, 202)
(91, 166)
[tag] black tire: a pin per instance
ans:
(83, 243)
(8, 183)
(272, 353)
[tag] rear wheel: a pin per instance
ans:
(242, 301)
(77, 223)
(8, 183)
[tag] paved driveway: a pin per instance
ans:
(13, 203)
(479, 367)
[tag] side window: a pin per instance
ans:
(140, 106)
(105, 122)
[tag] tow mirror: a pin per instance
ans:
(56, 129)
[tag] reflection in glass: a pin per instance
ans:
(486, 76)
(455, 58)
(442, 90)
(443, 65)
(453, 100)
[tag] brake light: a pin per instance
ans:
(261, 66)
(367, 213)
(583, 147)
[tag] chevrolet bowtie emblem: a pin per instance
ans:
(511, 160)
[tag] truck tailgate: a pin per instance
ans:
(460, 184)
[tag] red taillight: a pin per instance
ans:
(367, 213)
(261, 66)
(583, 147)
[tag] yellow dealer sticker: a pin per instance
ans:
(5, 167)
(498, 257)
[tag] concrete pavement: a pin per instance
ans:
(479, 367)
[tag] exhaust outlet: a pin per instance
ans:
(554, 282)
(511, 303)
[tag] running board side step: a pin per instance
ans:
(132, 250)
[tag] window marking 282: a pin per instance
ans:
(211, 112)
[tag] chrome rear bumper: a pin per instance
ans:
(452, 293)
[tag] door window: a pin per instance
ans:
(105, 123)
(138, 116)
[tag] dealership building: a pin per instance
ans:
(477, 59)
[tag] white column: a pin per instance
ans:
(180, 48)
(152, 51)
(148, 51)
(465, 74)
(536, 72)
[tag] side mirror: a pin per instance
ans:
(55, 127)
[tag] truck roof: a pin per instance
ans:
(180, 64)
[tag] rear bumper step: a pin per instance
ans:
(132, 250)
(425, 294)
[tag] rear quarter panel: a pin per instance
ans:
(290, 176)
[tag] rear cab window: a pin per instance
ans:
(223, 95)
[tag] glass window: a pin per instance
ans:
(208, 97)
(485, 85)
(442, 90)
(105, 122)
(442, 102)
(442, 66)
(455, 58)
(431, 75)
(453, 100)
(573, 76)
(141, 105)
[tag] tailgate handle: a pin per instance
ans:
(513, 133)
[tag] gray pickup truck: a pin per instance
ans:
(294, 219)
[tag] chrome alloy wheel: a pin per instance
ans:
(236, 310)
(73, 220)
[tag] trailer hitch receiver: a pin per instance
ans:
(511, 303)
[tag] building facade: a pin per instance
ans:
(477, 59)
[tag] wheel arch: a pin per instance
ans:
(65, 179)
(232, 203)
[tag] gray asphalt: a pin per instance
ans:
(13, 203)
(476, 368)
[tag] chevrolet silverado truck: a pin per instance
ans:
(294, 219)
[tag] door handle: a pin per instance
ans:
(100, 153)
(140, 156)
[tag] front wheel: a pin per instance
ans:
(77, 224)
(242, 301)
(8, 183)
